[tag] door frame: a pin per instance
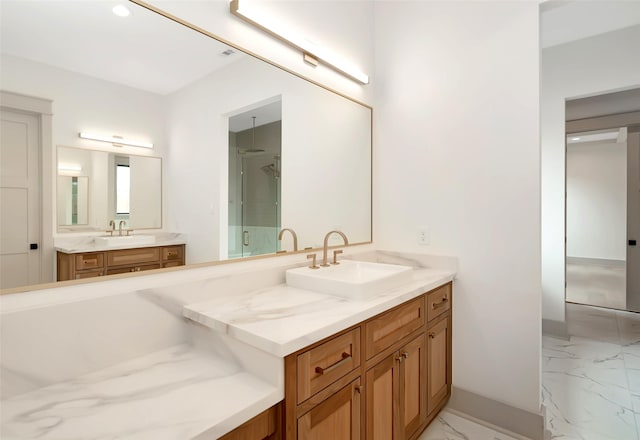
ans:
(603, 122)
(42, 109)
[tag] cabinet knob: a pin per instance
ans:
(399, 358)
(358, 389)
(432, 335)
(404, 354)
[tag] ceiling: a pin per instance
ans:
(563, 21)
(144, 50)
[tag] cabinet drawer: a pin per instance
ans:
(324, 364)
(140, 268)
(438, 302)
(81, 275)
(172, 253)
(133, 256)
(89, 261)
(390, 327)
(172, 264)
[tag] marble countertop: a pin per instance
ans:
(176, 393)
(81, 244)
(281, 319)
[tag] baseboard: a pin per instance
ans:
(498, 415)
(596, 261)
(557, 329)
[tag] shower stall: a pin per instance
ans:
(254, 189)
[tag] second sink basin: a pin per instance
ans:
(350, 279)
(125, 240)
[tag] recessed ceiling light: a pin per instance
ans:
(121, 11)
(575, 139)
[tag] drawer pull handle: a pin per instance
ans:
(440, 304)
(358, 390)
(432, 335)
(345, 356)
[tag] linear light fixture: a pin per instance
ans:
(69, 167)
(310, 52)
(117, 140)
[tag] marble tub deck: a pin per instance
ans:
(176, 393)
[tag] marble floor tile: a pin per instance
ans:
(449, 426)
(629, 327)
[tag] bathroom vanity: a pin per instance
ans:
(255, 357)
(87, 257)
(82, 265)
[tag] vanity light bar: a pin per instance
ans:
(309, 50)
(63, 167)
(115, 140)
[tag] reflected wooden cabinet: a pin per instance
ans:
(95, 264)
(397, 363)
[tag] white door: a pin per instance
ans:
(19, 200)
(633, 219)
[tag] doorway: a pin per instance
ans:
(602, 210)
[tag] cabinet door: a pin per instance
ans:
(336, 418)
(413, 385)
(383, 392)
(438, 363)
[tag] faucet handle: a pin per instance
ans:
(313, 263)
(129, 230)
(110, 231)
(335, 256)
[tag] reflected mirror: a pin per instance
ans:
(148, 78)
(95, 187)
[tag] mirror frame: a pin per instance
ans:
(206, 33)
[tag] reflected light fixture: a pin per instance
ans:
(310, 52)
(69, 167)
(116, 140)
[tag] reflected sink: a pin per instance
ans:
(124, 240)
(350, 279)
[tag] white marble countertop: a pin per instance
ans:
(281, 319)
(176, 393)
(81, 244)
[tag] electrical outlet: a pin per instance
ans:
(423, 236)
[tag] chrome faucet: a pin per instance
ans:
(295, 237)
(122, 222)
(325, 263)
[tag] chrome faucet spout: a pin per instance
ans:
(120, 227)
(293, 234)
(325, 246)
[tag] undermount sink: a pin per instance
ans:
(350, 279)
(124, 240)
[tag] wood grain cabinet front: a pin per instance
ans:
(266, 425)
(94, 264)
(396, 402)
(403, 373)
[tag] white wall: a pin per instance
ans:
(586, 67)
(457, 149)
(597, 201)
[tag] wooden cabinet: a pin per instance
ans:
(266, 425)
(438, 363)
(399, 362)
(336, 417)
(95, 264)
(396, 393)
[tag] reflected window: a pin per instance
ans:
(123, 185)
